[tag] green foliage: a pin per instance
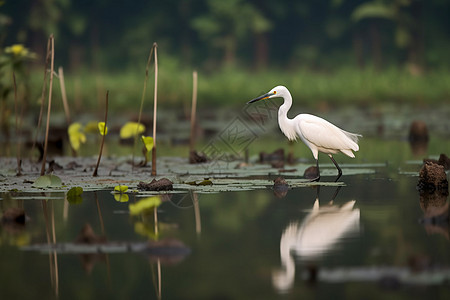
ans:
(206, 33)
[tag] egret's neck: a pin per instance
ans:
(286, 124)
(283, 110)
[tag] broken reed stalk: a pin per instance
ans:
(193, 111)
(44, 86)
(65, 102)
(44, 158)
(142, 102)
(155, 105)
(103, 136)
(16, 104)
(64, 95)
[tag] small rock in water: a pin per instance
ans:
(197, 158)
(162, 184)
(311, 173)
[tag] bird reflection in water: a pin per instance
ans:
(319, 233)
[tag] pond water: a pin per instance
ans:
(237, 245)
(372, 236)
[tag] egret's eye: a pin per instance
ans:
(274, 92)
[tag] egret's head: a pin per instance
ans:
(277, 91)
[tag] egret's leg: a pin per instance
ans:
(337, 167)
(318, 171)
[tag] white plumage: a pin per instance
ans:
(318, 134)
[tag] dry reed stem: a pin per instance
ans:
(44, 158)
(193, 111)
(16, 104)
(142, 105)
(155, 105)
(44, 86)
(64, 95)
(62, 85)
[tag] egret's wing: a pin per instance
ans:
(323, 134)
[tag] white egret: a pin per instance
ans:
(318, 134)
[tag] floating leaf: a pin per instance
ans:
(102, 128)
(76, 136)
(74, 195)
(144, 205)
(148, 142)
(48, 181)
(119, 197)
(121, 188)
(131, 129)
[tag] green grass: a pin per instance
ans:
(347, 86)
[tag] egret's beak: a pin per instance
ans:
(265, 96)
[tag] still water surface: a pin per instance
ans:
(370, 243)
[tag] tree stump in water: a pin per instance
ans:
(432, 178)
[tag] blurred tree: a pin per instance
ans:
(313, 34)
(407, 17)
(227, 23)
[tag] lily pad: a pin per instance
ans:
(47, 181)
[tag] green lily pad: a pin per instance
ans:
(47, 181)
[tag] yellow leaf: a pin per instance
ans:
(148, 142)
(144, 205)
(74, 127)
(131, 129)
(76, 136)
(121, 188)
(102, 128)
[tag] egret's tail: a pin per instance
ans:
(352, 143)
